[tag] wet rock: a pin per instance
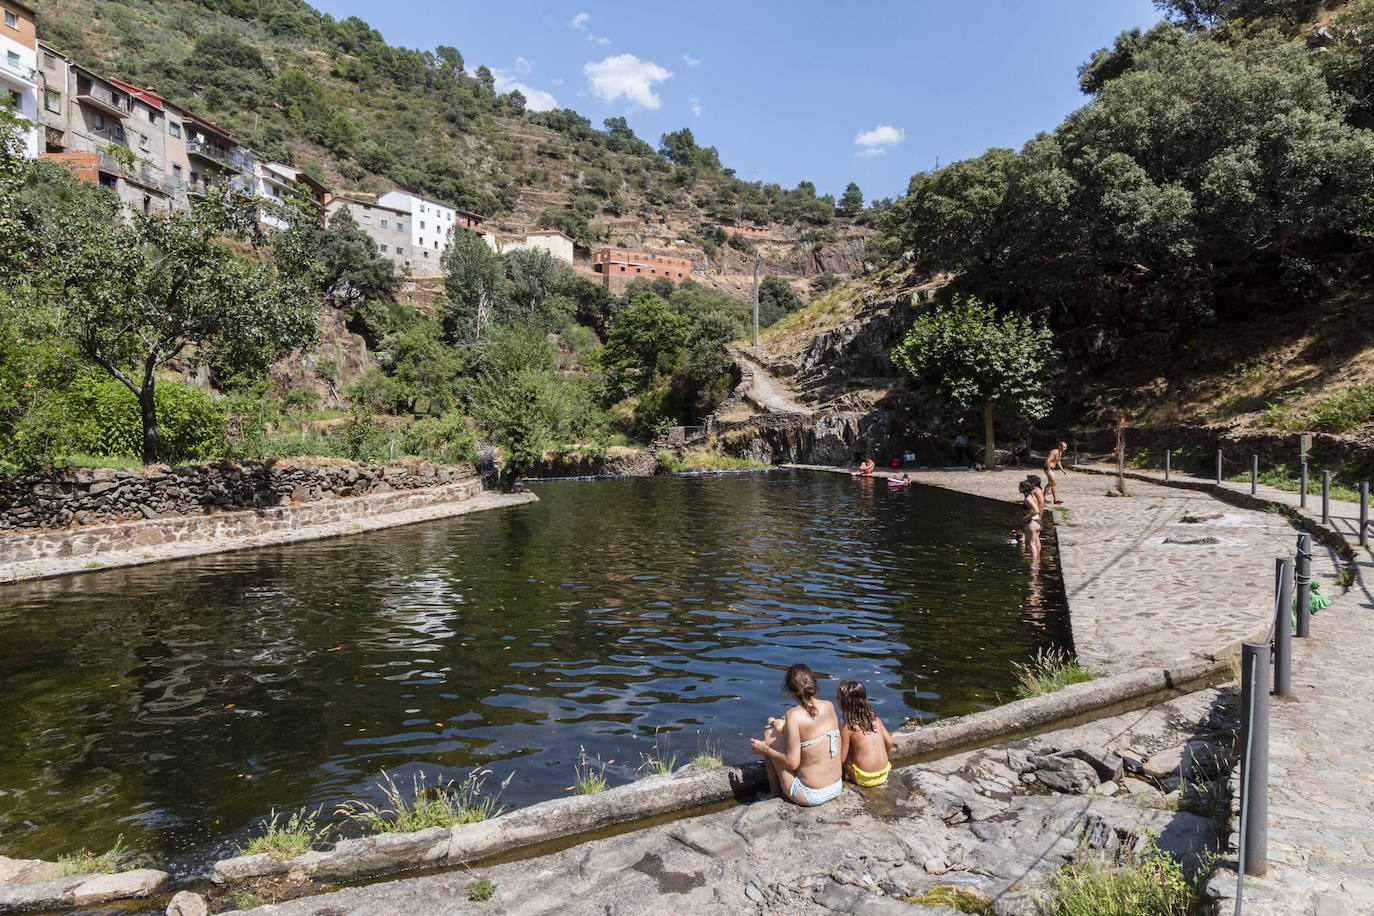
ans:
(36, 895)
(16, 871)
(141, 882)
(383, 853)
(186, 903)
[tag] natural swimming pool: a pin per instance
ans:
(176, 704)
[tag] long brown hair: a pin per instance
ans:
(801, 683)
(853, 700)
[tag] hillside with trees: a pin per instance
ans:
(334, 98)
(1199, 235)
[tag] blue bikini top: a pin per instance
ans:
(833, 735)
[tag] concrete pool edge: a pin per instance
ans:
(570, 820)
(281, 525)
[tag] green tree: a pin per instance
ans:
(356, 277)
(852, 200)
(140, 291)
(475, 280)
(972, 359)
(518, 399)
(777, 299)
(534, 279)
(425, 371)
(645, 341)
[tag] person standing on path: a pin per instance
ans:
(961, 452)
(1054, 461)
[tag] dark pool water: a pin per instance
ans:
(178, 703)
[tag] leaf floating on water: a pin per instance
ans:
(116, 685)
(228, 705)
(335, 649)
(439, 724)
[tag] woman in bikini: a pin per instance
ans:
(1032, 518)
(864, 741)
(803, 758)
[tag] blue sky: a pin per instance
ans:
(788, 89)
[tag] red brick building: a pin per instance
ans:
(626, 264)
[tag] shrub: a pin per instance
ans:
(481, 889)
(102, 417)
(668, 461)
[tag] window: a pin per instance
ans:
(422, 224)
(174, 128)
(98, 121)
(13, 58)
(382, 249)
(422, 241)
(384, 224)
(119, 131)
(400, 250)
(143, 142)
(367, 221)
(195, 177)
(425, 253)
(52, 100)
(14, 99)
(400, 226)
(436, 246)
(49, 62)
(12, 20)
(176, 172)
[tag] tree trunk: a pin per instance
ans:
(149, 410)
(990, 446)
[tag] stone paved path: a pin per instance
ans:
(996, 820)
(1321, 753)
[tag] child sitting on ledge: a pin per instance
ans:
(864, 740)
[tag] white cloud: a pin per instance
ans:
(880, 136)
(696, 107)
(522, 65)
(870, 152)
(535, 99)
(690, 60)
(580, 21)
(625, 75)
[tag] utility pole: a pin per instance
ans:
(756, 298)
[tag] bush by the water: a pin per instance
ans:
(101, 418)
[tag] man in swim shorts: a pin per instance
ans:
(1054, 461)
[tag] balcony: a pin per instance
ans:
(140, 173)
(104, 99)
(17, 75)
(233, 161)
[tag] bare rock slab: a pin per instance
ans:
(141, 882)
(186, 903)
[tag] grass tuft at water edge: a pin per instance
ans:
(1051, 670)
(287, 839)
(86, 862)
(443, 804)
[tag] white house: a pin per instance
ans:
(277, 182)
(19, 67)
(431, 226)
(558, 245)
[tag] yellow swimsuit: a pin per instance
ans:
(869, 780)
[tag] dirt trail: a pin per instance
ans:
(765, 391)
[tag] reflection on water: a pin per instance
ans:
(178, 703)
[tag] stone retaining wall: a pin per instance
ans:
(91, 496)
(228, 526)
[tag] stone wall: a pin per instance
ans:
(77, 497)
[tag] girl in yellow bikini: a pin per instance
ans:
(864, 741)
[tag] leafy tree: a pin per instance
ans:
(777, 299)
(424, 370)
(355, 277)
(475, 280)
(645, 341)
(534, 279)
(852, 200)
(140, 291)
(972, 359)
(707, 358)
(518, 399)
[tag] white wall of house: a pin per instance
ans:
(19, 82)
(430, 231)
(558, 245)
(387, 226)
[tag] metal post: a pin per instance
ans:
(1254, 474)
(1302, 578)
(1364, 513)
(1218, 465)
(1168, 455)
(1254, 741)
(756, 299)
(1302, 487)
(1283, 629)
(1326, 497)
